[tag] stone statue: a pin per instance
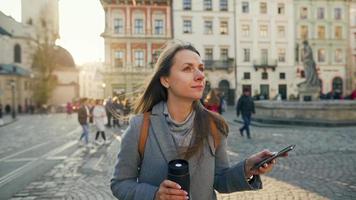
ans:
(311, 75)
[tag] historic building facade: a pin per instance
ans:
(16, 50)
(209, 26)
(135, 32)
(352, 47)
(325, 25)
(265, 48)
(91, 81)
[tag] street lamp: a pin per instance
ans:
(103, 85)
(13, 111)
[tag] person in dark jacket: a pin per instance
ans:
(83, 119)
(245, 107)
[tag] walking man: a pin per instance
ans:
(83, 116)
(246, 107)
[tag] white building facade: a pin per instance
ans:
(16, 49)
(91, 82)
(352, 47)
(209, 26)
(325, 25)
(265, 48)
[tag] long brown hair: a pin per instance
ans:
(155, 92)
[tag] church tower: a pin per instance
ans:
(43, 15)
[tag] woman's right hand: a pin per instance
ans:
(171, 191)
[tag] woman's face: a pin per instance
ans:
(186, 79)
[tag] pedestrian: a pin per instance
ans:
(100, 119)
(212, 101)
(83, 118)
(179, 127)
(1, 120)
(108, 108)
(223, 104)
(69, 108)
(245, 106)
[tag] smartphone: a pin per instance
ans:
(276, 155)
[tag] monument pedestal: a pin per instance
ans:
(309, 93)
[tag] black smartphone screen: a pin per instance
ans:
(269, 159)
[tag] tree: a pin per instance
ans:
(44, 64)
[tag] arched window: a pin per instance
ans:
(337, 85)
(17, 53)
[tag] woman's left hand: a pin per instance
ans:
(252, 160)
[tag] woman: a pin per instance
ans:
(99, 116)
(179, 129)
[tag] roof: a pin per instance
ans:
(13, 69)
(63, 57)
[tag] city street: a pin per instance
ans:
(40, 158)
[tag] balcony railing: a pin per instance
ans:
(219, 64)
(265, 64)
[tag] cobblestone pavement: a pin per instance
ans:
(323, 166)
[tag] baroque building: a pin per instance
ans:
(352, 47)
(209, 26)
(325, 25)
(135, 33)
(265, 48)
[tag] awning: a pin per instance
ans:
(14, 69)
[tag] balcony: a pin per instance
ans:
(265, 64)
(219, 64)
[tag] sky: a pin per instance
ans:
(80, 24)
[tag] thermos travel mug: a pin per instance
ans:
(178, 171)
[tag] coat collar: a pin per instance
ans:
(161, 133)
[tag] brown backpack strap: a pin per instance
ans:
(144, 133)
(145, 128)
(215, 134)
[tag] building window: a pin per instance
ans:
(246, 55)
(321, 55)
(208, 27)
(245, 7)
(158, 27)
(224, 53)
(338, 55)
(281, 32)
(303, 13)
(139, 58)
(282, 76)
(337, 13)
(264, 56)
(208, 54)
(247, 75)
(223, 27)
(263, 30)
(338, 32)
(187, 4)
(208, 5)
(321, 13)
(281, 55)
(17, 53)
(155, 56)
(264, 75)
(223, 5)
(321, 32)
(263, 8)
(118, 26)
(280, 9)
(138, 26)
(304, 32)
(187, 26)
(119, 58)
(245, 30)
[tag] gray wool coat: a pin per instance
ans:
(209, 172)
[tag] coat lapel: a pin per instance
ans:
(161, 133)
